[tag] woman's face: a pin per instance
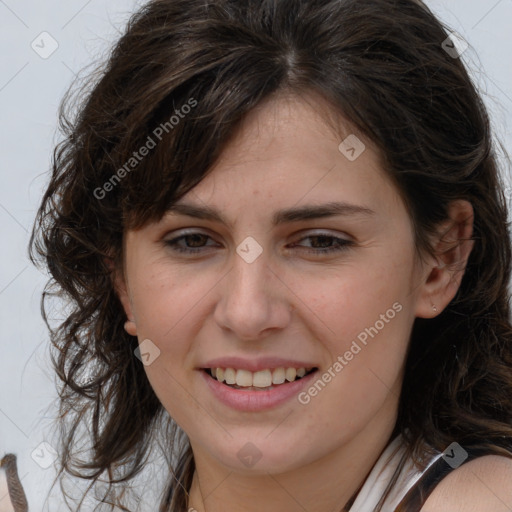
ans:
(276, 286)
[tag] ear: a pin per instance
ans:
(122, 292)
(443, 274)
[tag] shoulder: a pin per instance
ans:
(482, 485)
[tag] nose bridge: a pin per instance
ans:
(250, 273)
(249, 262)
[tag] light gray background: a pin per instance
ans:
(30, 90)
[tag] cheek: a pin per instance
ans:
(349, 299)
(166, 305)
(366, 352)
(361, 314)
(164, 301)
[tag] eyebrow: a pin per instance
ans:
(296, 214)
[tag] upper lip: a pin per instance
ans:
(255, 365)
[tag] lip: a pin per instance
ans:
(253, 401)
(256, 365)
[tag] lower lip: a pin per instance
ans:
(256, 400)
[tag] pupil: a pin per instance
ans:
(195, 238)
(322, 240)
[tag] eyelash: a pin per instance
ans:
(343, 244)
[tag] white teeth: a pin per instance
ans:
(230, 376)
(278, 376)
(244, 378)
(291, 373)
(261, 379)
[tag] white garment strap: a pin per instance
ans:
(381, 474)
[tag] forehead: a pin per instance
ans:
(293, 150)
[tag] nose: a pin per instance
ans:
(254, 301)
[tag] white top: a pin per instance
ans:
(382, 472)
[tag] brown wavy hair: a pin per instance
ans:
(380, 64)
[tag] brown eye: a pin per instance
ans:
(194, 242)
(325, 243)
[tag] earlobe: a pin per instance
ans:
(452, 245)
(130, 327)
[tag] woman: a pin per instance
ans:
(281, 224)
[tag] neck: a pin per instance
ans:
(327, 483)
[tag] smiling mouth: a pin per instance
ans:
(263, 380)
